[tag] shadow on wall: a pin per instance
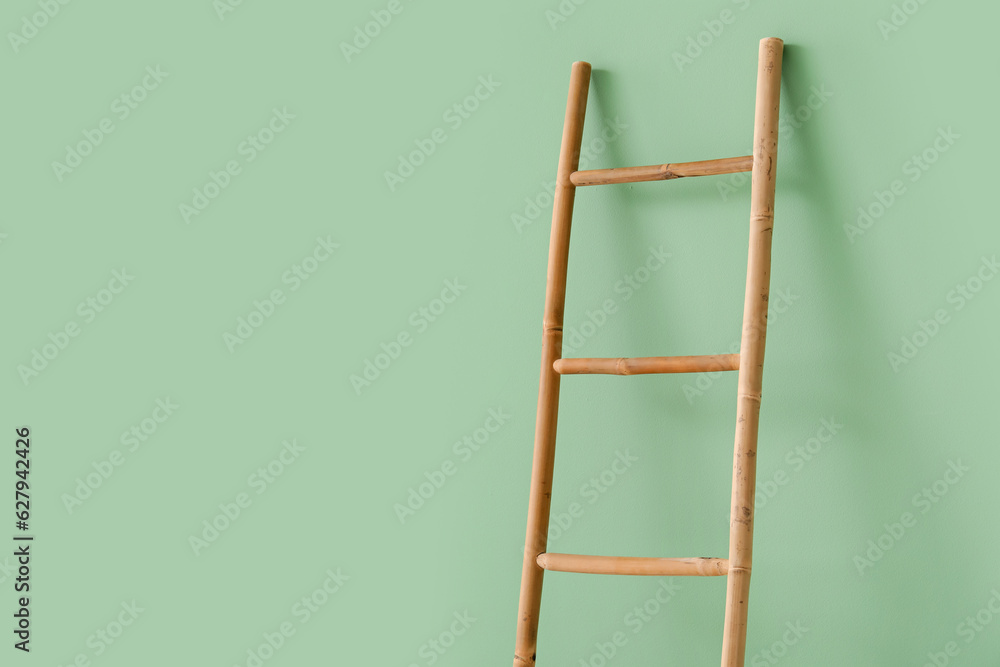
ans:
(849, 319)
(849, 372)
(842, 365)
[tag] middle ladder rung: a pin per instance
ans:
(666, 567)
(643, 365)
(662, 172)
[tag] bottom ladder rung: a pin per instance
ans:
(669, 567)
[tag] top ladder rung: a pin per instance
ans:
(662, 172)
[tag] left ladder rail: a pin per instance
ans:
(540, 493)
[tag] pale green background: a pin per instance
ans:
(333, 508)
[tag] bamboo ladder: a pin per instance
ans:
(749, 362)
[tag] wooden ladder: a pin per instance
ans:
(749, 362)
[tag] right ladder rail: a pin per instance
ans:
(765, 153)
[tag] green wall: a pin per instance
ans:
(202, 247)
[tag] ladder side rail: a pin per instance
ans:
(540, 494)
(765, 154)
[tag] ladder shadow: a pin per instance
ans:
(843, 364)
(815, 379)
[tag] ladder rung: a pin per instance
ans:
(643, 365)
(667, 567)
(662, 172)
